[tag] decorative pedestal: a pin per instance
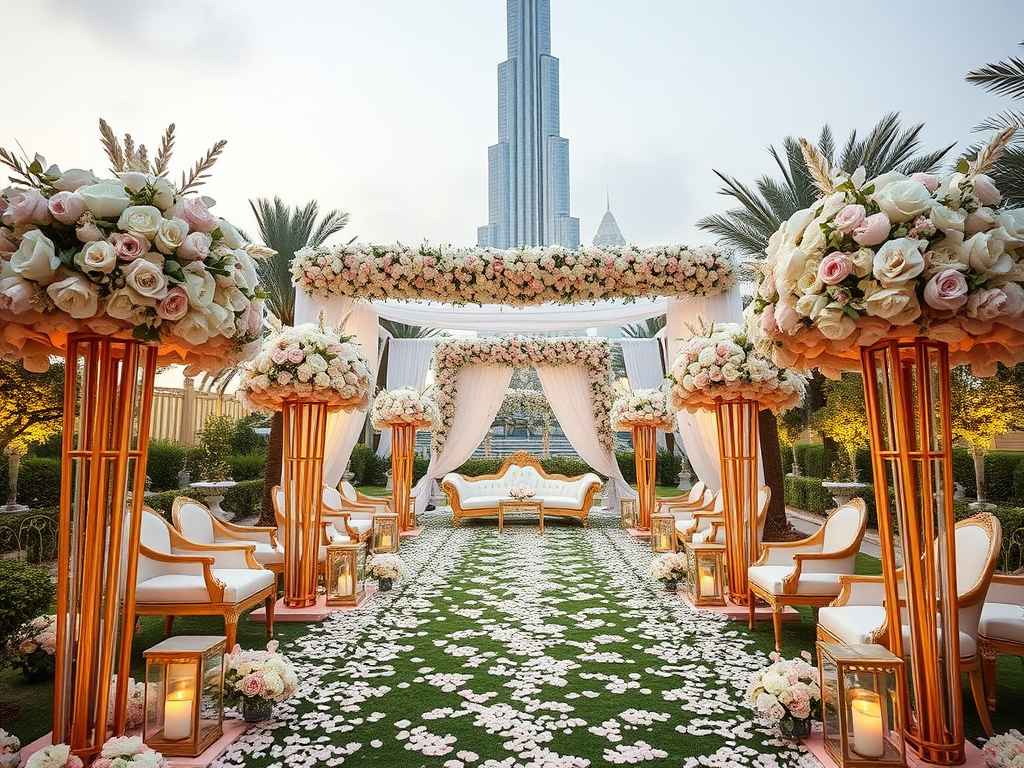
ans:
(843, 492)
(737, 444)
(403, 441)
(906, 386)
(108, 397)
(213, 495)
(305, 430)
(645, 453)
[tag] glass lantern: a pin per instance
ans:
(184, 694)
(414, 518)
(705, 582)
(385, 536)
(628, 512)
(861, 691)
(663, 532)
(346, 574)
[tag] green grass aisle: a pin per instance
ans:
(521, 650)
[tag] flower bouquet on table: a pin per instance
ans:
(521, 492)
(723, 364)
(54, 756)
(643, 408)
(125, 751)
(669, 567)
(787, 692)
(257, 679)
(133, 256)
(10, 750)
(896, 257)
(1005, 750)
(398, 407)
(33, 647)
(307, 362)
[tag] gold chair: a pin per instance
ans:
(356, 519)
(710, 526)
(196, 523)
(692, 498)
(1001, 628)
(178, 577)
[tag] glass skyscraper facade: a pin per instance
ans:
(528, 169)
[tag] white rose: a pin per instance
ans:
(145, 282)
(122, 306)
(1012, 221)
(246, 274)
(317, 363)
(105, 199)
(730, 372)
(200, 286)
(322, 380)
(811, 305)
(789, 268)
(221, 321)
(35, 258)
(903, 200)
(945, 218)
(863, 262)
(834, 323)
(74, 178)
(192, 329)
(75, 295)
(231, 236)
(981, 220)
(897, 305)
(98, 256)
(986, 255)
(163, 197)
(142, 220)
(900, 260)
(170, 235)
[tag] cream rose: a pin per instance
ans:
(863, 262)
(789, 268)
(74, 178)
(903, 200)
(163, 190)
(986, 304)
(811, 305)
(192, 329)
(195, 247)
(35, 258)
(122, 306)
(945, 218)
(200, 286)
(142, 220)
(106, 199)
(99, 256)
(145, 282)
(834, 323)
(897, 305)
(986, 255)
(170, 235)
(981, 220)
(74, 295)
(899, 261)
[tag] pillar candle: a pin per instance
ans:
(867, 726)
(178, 715)
(345, 584)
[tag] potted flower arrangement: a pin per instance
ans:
(1005, 750)
(788, 692)
(669, 568)
(10, 750)
(136, 704)
(33, 646)
(124, 751)
(385, 567)
(254, 680)
(54, 756)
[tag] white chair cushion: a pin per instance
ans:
(1002, 621)
(841, 529)
(481, 502)
(851, 624)
(175, 588)
(968, 645)
(769, 578)
(195, 524)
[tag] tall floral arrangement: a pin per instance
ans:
(896, 257)
(520, 277)
(266, 675)
(134, 255)
(521, 352)
(406, 405)
(723, 364)
(308, 362)
(642, 408)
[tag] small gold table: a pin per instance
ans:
(516, 506)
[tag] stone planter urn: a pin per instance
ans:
(843, 492)
(213, 495)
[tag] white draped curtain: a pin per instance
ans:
(644, 367)
(408, 364)
(568, 391)
(480, 391)
(343, 428)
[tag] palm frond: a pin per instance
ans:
(1005, 78)
(998, 122)
(405, 331)
(646, 329)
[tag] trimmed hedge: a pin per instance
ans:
(28, 592)
(243, 499)
(1000, 468)
(249, 466)
(165, 461)
(807, 493)
(38, 547)
(367, 467)
(38, 482)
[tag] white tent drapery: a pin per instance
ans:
(644, 367)
(408, 364)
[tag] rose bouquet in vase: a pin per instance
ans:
(669, 568)
(788, 692)
(521, 492)
(33, 646)
(385, 567)
(254, 680)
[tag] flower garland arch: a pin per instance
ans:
(519, 352)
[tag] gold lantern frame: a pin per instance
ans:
(663, 532)
(737, 422)
(706, 558)
(346, 560)
(386, 535)
(627, 513)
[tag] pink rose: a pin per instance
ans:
(295, 355)
(129, 247)
(1014, 299)
(985, 190)
(88, 232)
(253, 686)
(835, 268)
(278, 356)
(254, 318)
(930, 182)
(873, 230)
(986, 304)
(787, 317)
(195, 247)
(66, 207)
(16, 295)
(850, 218)
(283, 378)
(196, 214)
(25, 206)
(174, 305)
(947, 290)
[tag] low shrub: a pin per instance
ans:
(39, 482)
(419, 468)
(477, 467)
(162, 502)
(570, 466)
(244, 498)
(367, 467)
(38, 538)
(627, 465)
(807, 493)
(668, 467)
(28, 592)
(165, 461)
(244, 439)
(248, 466)
(1000, 467)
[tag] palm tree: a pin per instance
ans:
(1005, 78)
(286, 230)
(763, 209)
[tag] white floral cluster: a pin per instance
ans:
(518, 277)
(407, 405)
(724, 365)
(522, 352)
(385, 565)
(521, 492)
(307, 362)
(33, 645)
(669, 566)
(643, 408)
(126, 751)
(127, 256)
(266, 675)
(896, 257)
(9, 743)
(526, 401)
(1005, 750)
(786, 687)
(54, 756)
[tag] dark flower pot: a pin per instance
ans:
(795, 728)
(38, 674)
(671, 586)
(384, 585)
(257, 710)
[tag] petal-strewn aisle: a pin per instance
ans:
(520, 650)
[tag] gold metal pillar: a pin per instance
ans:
(305, 432)
(906, 387)
(108, 398)
(737, 447)
(403, 441)
(645, 454)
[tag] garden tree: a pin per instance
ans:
(286, 230)
(844, 418)
(1005, 78)
(791, 425)
(762, 209)
(982, 409)
(31, 404)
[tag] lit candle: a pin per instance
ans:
(867, 724)
(178, 714)
(707, 584)
(345, 584)
(385, 540)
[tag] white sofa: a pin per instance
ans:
(562, 496)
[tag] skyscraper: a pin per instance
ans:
(528, 169)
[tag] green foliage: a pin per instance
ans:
(477, 467)
(807, 493)
(245, 441)
(250, 466)
(27, 592)
(39, 482)
(367, 467)
(627, 465)
(570, 466)
(38, 541)
(668, 467)
(162, 502)
(419, 468)
(981, 409)
(215, 441)
(1000, 467)
(843, 418)
(244, 498)
(31, 404)
(813, 459)
(165, 461)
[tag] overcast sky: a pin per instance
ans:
(385, 108)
